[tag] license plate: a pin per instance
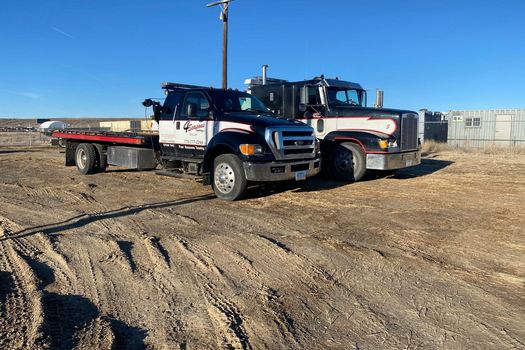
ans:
(409, 162)
(300, 175)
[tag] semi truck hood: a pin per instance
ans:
(258, 120)
(368, 111)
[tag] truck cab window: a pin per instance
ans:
(352, 97)
(235, 101)
(200, 100)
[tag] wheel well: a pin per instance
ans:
(352, 140)
(212, 154)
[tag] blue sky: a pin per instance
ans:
(71, 58)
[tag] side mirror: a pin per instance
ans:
(303, 98)
(303, 95)
(191, 110)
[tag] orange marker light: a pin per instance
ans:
(247, 149)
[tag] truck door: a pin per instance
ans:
(191, 132)
(314, 107)
(167, 118)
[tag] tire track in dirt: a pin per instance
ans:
(225, 315)
(48, 251)
(161, 271)
(131, 242)
(21, 304)
(61, 316)
(304, 271)
(284, 321)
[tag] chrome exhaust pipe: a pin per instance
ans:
(379, 98)
(264, 73)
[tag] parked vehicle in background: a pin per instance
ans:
(50, 125)
(354, 138)
(225, 138)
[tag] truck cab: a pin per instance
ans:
(354, 138)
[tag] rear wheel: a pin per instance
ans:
(229, 181)
(86, 158)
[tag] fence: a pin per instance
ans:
(20, 138)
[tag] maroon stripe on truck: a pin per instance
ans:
(116, 139)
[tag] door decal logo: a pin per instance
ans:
(188, 126)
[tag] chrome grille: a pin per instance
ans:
(409, 124)
(291, 143)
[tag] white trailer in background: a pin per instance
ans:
(50, 125)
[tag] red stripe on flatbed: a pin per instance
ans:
(116, 139)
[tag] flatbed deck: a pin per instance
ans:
(124, 137)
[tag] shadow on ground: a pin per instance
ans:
(313, 184)
(322, 182)
(427, 167)
(85, 219)
(6, 151)
(6, 287)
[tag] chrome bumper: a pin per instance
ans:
(393, 161)
(280, 171)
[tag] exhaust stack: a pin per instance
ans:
(379, 98)
(264, 73)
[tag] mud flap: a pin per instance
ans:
(71, 148)
(206, 179)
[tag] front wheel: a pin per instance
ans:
(229, 181)
(348, 162)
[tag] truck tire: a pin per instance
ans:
(86, 158)
(347, 162)
(228, 178)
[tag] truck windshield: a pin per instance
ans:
(235, 101)
(341, 96)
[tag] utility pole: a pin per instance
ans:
(224, 4)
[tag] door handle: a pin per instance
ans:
(320, 125)
(177, 125)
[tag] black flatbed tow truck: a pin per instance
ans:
(225, 138)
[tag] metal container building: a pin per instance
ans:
(129, 125)
(481, 128)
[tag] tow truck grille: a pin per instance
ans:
(291, 143)
(409, 124)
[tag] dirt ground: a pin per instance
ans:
(432, 258)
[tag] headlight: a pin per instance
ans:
(385, 144)
(392, 144)
(250, 149)
(317, 146)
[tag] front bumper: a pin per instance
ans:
(280, 171)
(385, 161)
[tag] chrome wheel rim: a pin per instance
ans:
(81, 158)
(224, 178)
